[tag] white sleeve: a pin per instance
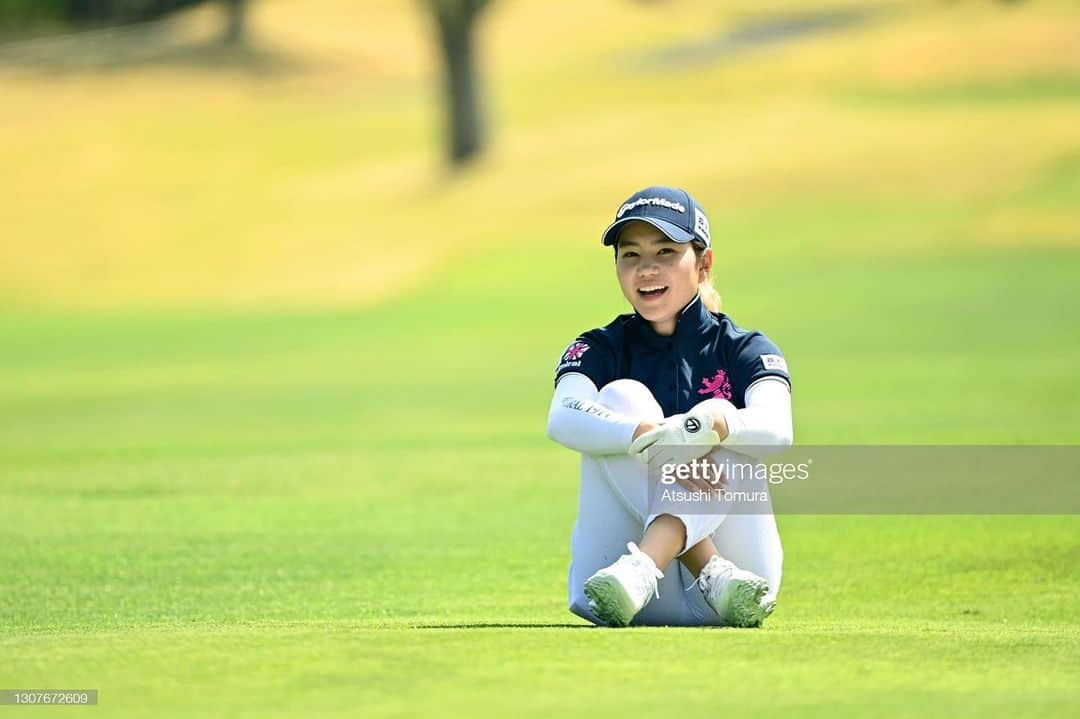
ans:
(577, 421)
(764, 426)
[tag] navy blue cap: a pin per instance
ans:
(669, 209)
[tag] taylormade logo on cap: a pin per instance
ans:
(658, 201)
(669, 209)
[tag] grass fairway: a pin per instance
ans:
(251, 457)
(250, 513)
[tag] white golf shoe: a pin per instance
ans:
(735, 594)
(618, 592)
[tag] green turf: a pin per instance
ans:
(262, 513)
(273, 392)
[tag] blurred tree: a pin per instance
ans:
(118, 11)
(236, 27)
(455, 23)
(26, 13)
(20, 13)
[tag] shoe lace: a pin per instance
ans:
(645, 561)
(705, 577)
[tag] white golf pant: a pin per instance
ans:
(613, 510)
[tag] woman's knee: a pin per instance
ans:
(630, 397)
(713, 404)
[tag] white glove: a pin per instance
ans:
(679, 439)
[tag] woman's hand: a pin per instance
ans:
(720, 425)
(643, 428)
(677, 440)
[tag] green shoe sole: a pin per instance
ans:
(609, 601)
(742, 597)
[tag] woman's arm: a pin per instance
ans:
(764, 427)
(578, 422)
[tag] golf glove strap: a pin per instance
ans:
(681, 438)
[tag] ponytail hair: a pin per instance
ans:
(710, 298)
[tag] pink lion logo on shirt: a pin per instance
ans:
(717, 386)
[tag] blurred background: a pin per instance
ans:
(399, 198)
(282, 249)
(283, 286)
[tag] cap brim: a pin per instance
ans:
(671, 231)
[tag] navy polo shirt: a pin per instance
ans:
(707, 356)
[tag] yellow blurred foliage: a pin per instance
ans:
(308, 168)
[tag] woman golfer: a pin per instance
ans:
(673, 381)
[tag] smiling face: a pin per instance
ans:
(658, 276)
